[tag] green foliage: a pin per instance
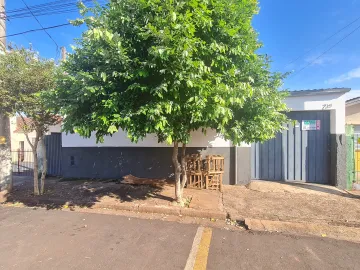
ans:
(24, 77)
(170, 67)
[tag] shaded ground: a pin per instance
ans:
(87, 193)
(292, 202)
(39, 239)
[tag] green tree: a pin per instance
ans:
(170, 67)
(24, 77)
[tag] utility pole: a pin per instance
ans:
(5, 140)
(63, 53)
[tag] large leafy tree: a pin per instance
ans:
(170, 67)
(24, 78)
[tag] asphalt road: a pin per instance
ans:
(40, 239)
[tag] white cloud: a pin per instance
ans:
(352, 74)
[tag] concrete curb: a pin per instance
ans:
(175, 211)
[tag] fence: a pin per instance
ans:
(22, 162)
(352, 156)
(356, 145)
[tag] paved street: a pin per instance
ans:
(40, 239)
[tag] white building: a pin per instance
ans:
(311, 150)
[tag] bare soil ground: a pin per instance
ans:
(87, 193)
(292, 202)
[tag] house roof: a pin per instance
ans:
(20, 123)
(28, 121)
(353, 101)
(319, 92)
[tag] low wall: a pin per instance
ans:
(151, 162)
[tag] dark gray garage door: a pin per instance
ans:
(296, 154)
(53, 153)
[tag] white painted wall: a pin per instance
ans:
(120, 139)
(335, 102)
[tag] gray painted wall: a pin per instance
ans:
(338, 160)
(243, 166)
(151, 162)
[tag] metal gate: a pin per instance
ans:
(53, 153)
(22, 162)
(296, 154)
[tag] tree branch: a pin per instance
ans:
(27, 134)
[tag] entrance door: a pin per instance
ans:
(300, 153)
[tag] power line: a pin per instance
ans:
(322, 42)
(57, 46)
(39, 29)
(50, 8)
(54, 4)
(325, 52)
(30, 43)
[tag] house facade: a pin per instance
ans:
(352, 114)
(18, 138)
(312, 149)
(21, 152)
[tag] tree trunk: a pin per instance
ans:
(35, 156)
(36, 177)
(44, 160)
(183, 167)
(177, 171)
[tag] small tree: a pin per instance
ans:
(169, 68)
(24, 76)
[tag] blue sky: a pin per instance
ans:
(287, 29)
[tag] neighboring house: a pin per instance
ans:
(353, 118)
(18, 138)
(312, 150)
(352, 113)
(22, 156)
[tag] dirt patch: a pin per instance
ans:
(331, 207)
(111, 193)
(88, 192)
